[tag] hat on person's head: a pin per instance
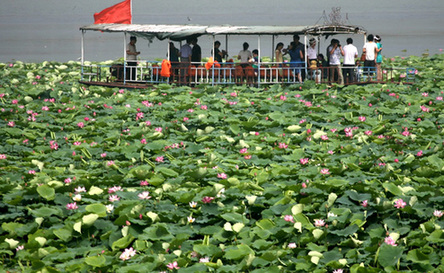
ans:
(312, 41)
(377, 38)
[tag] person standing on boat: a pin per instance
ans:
(300, 46)
(350, 53)
(244, 55)
(218, 54)
(336, 52)
(279, 57)
(370, 55)
(296, 60)
(196, 53)
(131, 57)
(185, 58)
(174, 59)
(378, 58)
(314, 73)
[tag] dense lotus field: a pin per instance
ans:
(300, 178)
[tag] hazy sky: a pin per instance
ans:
(46, 29)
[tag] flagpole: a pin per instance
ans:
(131, 9)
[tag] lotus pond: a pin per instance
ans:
(299, 178)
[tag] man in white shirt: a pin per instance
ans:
(370, 55)
(350, 53)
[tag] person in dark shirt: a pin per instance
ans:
(219, 54)
(196, 53)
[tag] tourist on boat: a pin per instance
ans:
(131, 57)
(185, 58)
(301, 46)
(378, 58)
(174, 58)
(323, 65)
(336, 52)
(255, 60)
(279, 58)
(312, 55)
(350, 53)
(244, 55)
(370, 55)
(296, 60)
(218, 54)
(196, 53)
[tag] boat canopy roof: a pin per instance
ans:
(181, 32)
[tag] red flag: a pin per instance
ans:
(119, 14)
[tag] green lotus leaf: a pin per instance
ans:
(46, 192)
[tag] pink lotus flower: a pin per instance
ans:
(282, 97)
(158, 129)
(282, 145)
(368, 132)
(222, 176)
(325, 171)
(292, 245)
(11, 124)
(364, 203)
(103, 155)
(173, 265)
(143, 141)
(144, 183)
(389, 240)
(330, 152)
(324, 137)
(144, 195)
(319, 222)
(303, 161)
(289, 218)
(243, 151)
(31, 172)
(399, 203)
(127, 254)
(438, 213)
(45, 108)
(159, 159)
(406, 132)
(203, 107)
(114, 189)
(21, 247)
(338, 271)
(68, 180)
(207, 199)
(71, 206)
(79, 189)
(81, 124)
(110, 163)
(247, 157)
(419, 153)
(362, 118)
(113, 198)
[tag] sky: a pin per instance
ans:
(41, 30)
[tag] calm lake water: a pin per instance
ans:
(40, 30)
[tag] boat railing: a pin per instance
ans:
(233, 73)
